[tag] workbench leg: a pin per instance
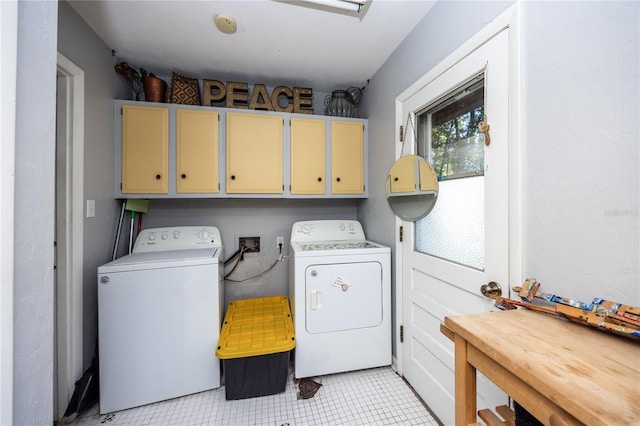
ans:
(465, 385)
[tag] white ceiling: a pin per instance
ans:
(276, 42)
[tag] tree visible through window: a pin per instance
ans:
(455, 144)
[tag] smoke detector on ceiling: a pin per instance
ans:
(225, 23)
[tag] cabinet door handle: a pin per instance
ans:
(233, 177)
(158, 177)
(337, 179)
(319, 179)
(395, 179)
(184, 176)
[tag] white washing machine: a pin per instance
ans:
(159, 319)
(340, 293)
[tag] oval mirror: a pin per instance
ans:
(411, 188)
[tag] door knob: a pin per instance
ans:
(491, 289)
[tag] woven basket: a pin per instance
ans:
(183, 90)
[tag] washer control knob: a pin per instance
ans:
(151, 237)
(203, 235)
(306, 229)
(164, 236)
(176, 235)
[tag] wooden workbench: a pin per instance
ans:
(562, 373)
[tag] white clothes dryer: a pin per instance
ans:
(340, 294)
(159, 312)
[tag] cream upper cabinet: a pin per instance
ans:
(197, 149)
(183, 151)
(347, 157)
(308, 158)
(255, 145)
(145, 150)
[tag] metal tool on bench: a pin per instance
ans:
(606, 315)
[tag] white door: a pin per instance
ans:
(463, 243)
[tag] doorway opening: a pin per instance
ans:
(68, 233)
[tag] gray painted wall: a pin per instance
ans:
(581, 100)
(34, 202)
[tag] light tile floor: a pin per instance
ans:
(376, 396)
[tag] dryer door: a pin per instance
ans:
(343, 296)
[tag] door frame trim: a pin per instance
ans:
(508, 19)
(8, 70)
(70, 290)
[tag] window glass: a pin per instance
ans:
(448, 133)
(450, 130)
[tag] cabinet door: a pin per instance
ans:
(254, 153)
(308, 138)
(347, 157)
(145, 149)
(197, 151)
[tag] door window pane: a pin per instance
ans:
(448, 133)
(454, 230)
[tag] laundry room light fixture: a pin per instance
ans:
(349, 7)
(352, 5)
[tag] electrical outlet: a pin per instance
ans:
(251, 243)
(279, 242)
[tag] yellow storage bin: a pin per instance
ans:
(254, 344)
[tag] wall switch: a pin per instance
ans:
(91, 208)
(279, 242)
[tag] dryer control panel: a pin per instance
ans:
(177, 238)
(327, 230)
